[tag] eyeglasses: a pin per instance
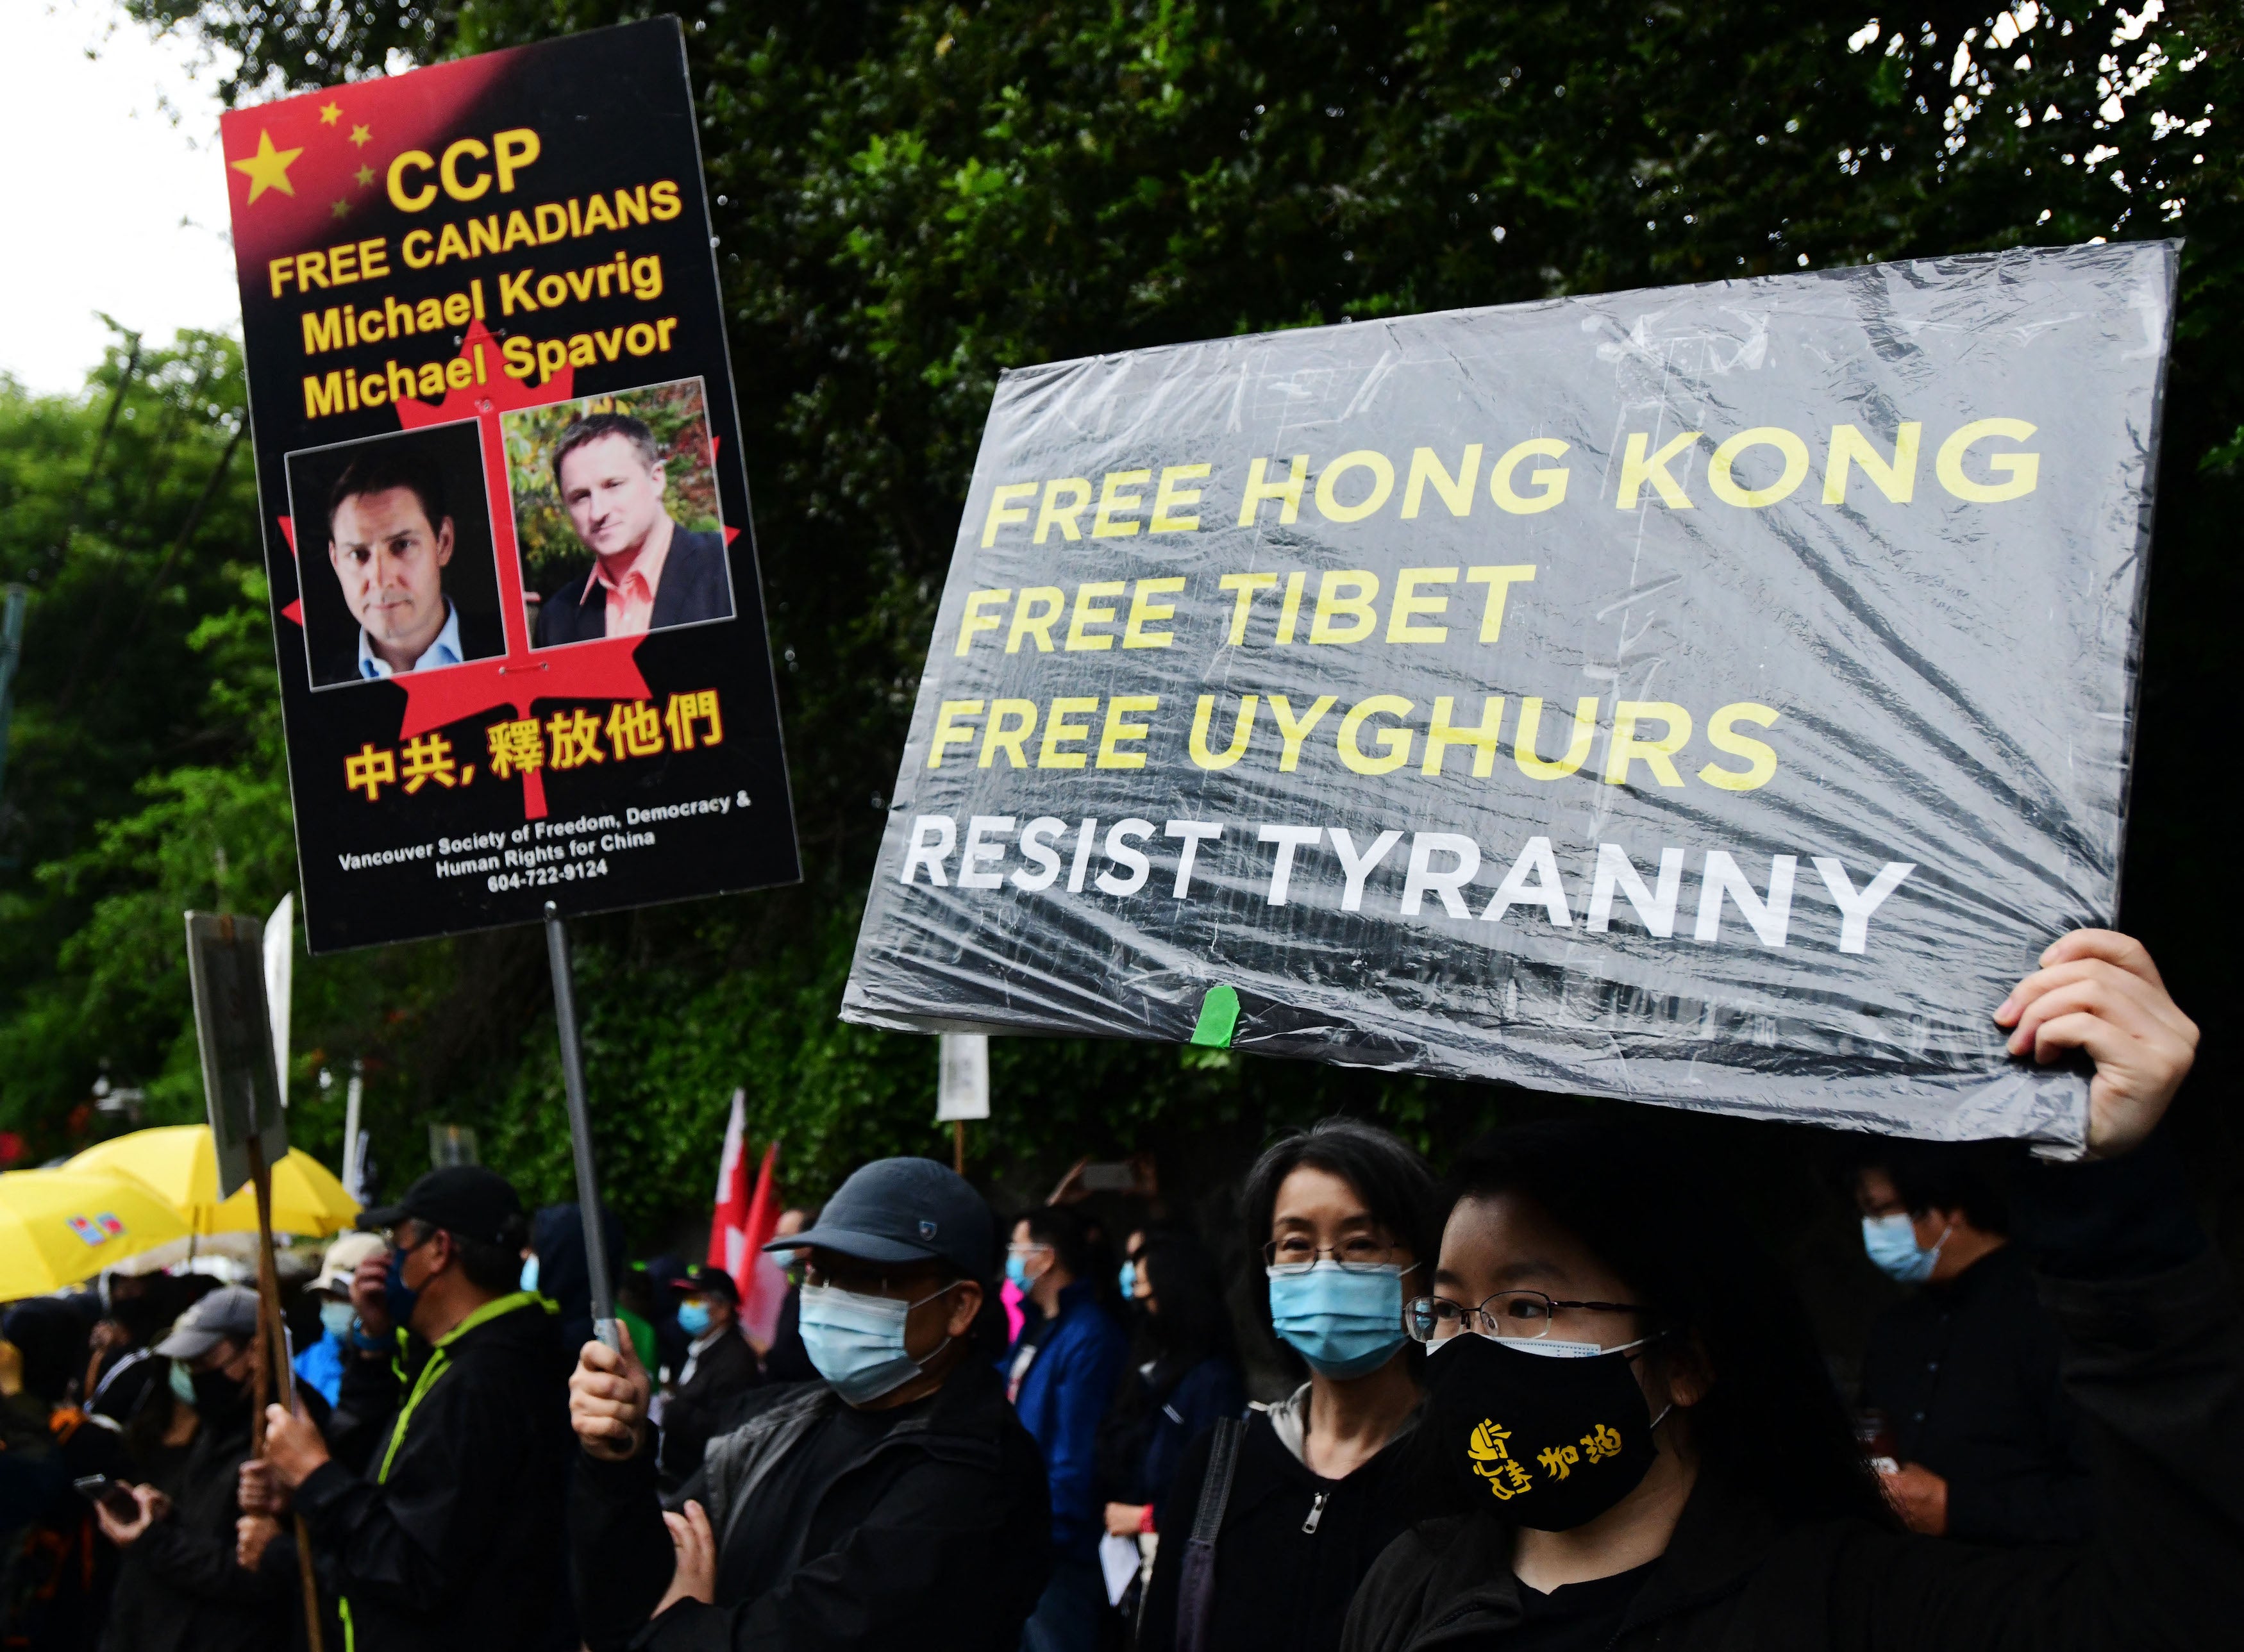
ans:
(1508, 1314)
(1358, 1254)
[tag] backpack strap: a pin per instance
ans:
(1196, 1584)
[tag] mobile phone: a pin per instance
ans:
(1115, 1178)
(111, 1495)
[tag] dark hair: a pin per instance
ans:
(495, 1264)
(1190, 1321)
(1771, 1424)
(1396, 1184)
(393, 464)
(1068, 1234)
(1940, 1175)
(593, 427)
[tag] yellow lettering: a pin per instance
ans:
(1896, 480)
(410, 200)
(1111, 499)
(1144, 610)
(1332, 607)
(1055, 512)
(1626, 749)
(1382, 483)
(1117, 730)
(1241, 731)
(1087, 613)
(1483, 738)
(1767, 435)
(1499, 579)
(1002, 511)
(2023, 469)
(1293, 731)
(1169, 497)
(949, 731)
(1721, 734)
(1244, 586)
(1057, 728)
(1636, 469)
(1407, 604)
(1287, 493)
(1031, 623)
(1456, 491)
(1005, 736)
(1397, 741)
(974, 619)
(1523, 738)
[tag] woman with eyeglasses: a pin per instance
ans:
(1345, 1219)
(1624, 1399)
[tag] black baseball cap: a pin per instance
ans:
(707, 1282)
(464, 1199)
(904, 1211)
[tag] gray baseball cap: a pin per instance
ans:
(228, 1312)
(904, 1211)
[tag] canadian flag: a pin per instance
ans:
(742, 1223)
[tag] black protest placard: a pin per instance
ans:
(1715, 695)
(518, 620)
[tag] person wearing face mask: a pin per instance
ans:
(896, 1502)
(1646, 1449)
(720, 1368)
(1061, 1374)
(1986, 1447)
(322, 1364)
(451, 1537)
(179, 1588)
(1343, 1216)
(1185, 1377)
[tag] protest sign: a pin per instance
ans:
(1715, 695)
(233, 1033)
(519, 626)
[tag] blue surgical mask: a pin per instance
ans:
(1346, 1322)
(693, 1317)
(182, 1383)
(857, 1341)
(1129, 1280)
(530, 1271)
(1891, 1242)
(398, 1297)
(338, 1318)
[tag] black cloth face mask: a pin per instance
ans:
(1544, 1440)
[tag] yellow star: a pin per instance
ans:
(364, 176)
(329, 114)
(268, 168)
(361, 137)
(342, 209)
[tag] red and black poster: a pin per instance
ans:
(519, 625)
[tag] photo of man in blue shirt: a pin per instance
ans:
(390, 536)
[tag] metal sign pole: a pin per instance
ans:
(580, 1127)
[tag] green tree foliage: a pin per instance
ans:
(912, 197)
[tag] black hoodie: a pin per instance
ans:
(453, 1538)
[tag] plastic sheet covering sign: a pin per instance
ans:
(1715, 696)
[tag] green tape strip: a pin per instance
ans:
(1219, 1018)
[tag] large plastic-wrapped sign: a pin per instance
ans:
(1715, 695)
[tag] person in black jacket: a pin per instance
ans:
(453, 1539)
(179, 1588)
(896, 1503)
(1986, 1447)
(1687, 1479)
(647, 572)
(719, 1367)
(1350, 1216)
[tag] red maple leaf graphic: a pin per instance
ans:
(601, 669)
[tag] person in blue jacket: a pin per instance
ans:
(1187, 1378)
(1061, 1376)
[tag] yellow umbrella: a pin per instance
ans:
(58, 1227)
(181, 1162)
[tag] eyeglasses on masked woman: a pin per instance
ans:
(1508, 1315)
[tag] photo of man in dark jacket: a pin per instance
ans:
(647, 572)
(896, 1502)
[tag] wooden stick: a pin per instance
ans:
(275, 1366)
(958, 1145)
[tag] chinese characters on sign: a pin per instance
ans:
(514, 578)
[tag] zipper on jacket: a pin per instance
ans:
(1316, 1514)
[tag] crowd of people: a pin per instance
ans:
(1556, 1398)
